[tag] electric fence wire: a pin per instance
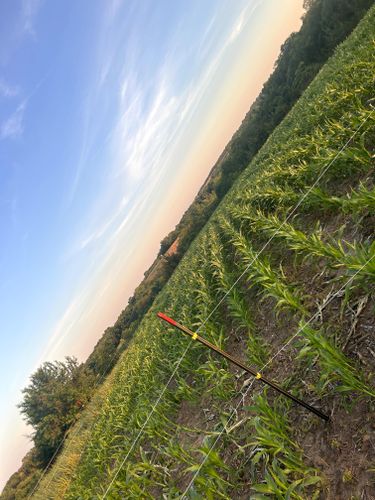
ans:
(267, 364)
(292, 212)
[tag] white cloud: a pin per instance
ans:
(13, 126)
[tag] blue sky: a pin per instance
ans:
(111, 115)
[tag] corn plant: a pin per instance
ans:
(234, 299)
(285, 473)
(335, 366)
(361, 200)
(209, 481)
(260, 272)
(355, 257)
(267, 199)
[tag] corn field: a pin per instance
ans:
(297, 229)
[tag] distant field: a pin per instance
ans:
(299, 223)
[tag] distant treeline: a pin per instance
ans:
(59, 390)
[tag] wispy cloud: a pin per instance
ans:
(139, 148)
(23, 29)
(7, 90)
(91, 236)
(13, 126)
(29, 12)
(63, 327)
(151, 121)
(83, 157)
(238, 26)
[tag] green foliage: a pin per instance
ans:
(239, 310)
(209, 483)
(335, 365)
(285, 473)
(356, 257)
(357, 201)
(261, 272)
(56, 393)
(22, 482)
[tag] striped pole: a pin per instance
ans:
(239, 363)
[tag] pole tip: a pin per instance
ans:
(166, 318)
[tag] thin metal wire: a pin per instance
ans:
(268, 363)
(235, 283)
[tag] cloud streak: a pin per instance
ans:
(29, 12)
(63, 327)
(14, 125)
(7, 90)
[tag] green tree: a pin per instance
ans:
(51, 401)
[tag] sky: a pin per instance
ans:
(112, 114)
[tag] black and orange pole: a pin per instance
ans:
(239, 363)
